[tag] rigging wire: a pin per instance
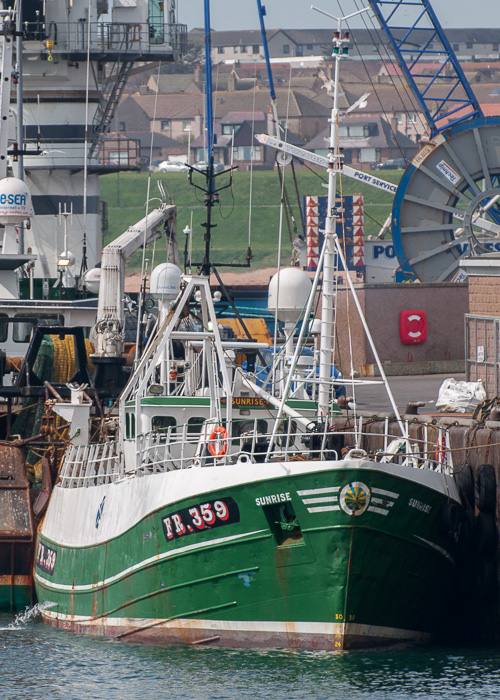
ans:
(83, 265)
(378, 42)
(143, 260)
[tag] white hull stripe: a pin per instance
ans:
(317, 492)
(166, 555)
(323, 499)
(322, 509)
(246, 626)
(380, 511)
(383, 492)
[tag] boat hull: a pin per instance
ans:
(338, 555)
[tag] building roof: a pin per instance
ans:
(359, 36)
(160, 140)
(384, 138)
(240, 117)
(182, 106)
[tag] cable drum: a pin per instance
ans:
(446, 203)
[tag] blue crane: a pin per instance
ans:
(448, 198)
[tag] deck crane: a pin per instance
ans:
(449, 195)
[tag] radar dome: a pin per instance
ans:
(290, 299)
(15, 201)
(165, 282)
(92, 279)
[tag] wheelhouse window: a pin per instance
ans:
(163, 423)
(194, 425)
(24, 324)
(4, 328)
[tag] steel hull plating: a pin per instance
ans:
(314, 555)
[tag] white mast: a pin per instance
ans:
(334, 166)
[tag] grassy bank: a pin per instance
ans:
(126, 194)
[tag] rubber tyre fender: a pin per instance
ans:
(487, 578)
(452, 516)
(486, 488)
(485, 533)
(467, 538)
(464, 479)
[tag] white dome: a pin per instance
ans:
(15, 201)
(165, 282)
(294, 289)
(92, 279)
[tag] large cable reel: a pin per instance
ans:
(448, 201)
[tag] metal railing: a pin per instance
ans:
(108, 37)
(482, 347)
(258, 441)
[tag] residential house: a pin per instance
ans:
(365, 141)
(468, 44)
(147, 148)
(172, 115)
(176, 115)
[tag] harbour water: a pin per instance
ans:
(40, 663)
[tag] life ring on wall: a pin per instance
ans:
(217, 444)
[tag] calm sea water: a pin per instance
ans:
(39, 663)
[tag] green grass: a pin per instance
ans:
(126, 194)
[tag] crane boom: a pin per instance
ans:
(310, 157)
(416, 36)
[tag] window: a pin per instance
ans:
(165, 124)
(368, 155)
(299, 50)
(194, 426)
(122, 126)
(357, 130)
(243, 49)
(495, 47)
(186, 125)
(220, 49)
(227, 129)
(247, 153)
(456, 47)
(412, 117)
(129, 425)
(4, 328)
(469, 45)
(309, 47)
(255, 48)
(286, 48)
(22, 329)
(163, 423)
(236, 49)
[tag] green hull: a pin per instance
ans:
(328, 558)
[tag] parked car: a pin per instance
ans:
(203, 165)
(392, 164)
(172, 166)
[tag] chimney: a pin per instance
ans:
(394, 123)
(197, 125)
(270, 122)
(197, 74)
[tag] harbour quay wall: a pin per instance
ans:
(444, 306)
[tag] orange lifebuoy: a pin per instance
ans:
(217, 444)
